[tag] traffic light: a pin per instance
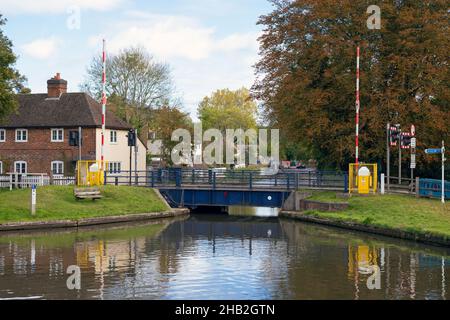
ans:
(405, 140)
(394, 135)
(131, 138)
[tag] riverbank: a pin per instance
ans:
(405, 217)
(58, 208)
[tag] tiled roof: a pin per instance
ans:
(70, 110)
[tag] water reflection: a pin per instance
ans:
(221, 257)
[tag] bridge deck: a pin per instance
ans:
(189, 187)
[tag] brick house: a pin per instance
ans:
(37, 138)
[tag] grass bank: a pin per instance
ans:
(405, 213)
(59, 203)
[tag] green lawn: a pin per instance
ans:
(59, 203)
(68, 238)
(391, 211)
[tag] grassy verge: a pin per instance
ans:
(59, 203)
(405, 213)
(67, 239)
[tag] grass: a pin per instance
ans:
(68, 238)
(59, 203)
(426, 216)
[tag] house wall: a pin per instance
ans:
(120, 152)
(39, 151)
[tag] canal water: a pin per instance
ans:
(249, 254)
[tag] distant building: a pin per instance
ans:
(38, 138)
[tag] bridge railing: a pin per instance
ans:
(247, 179)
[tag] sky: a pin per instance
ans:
(208, 44)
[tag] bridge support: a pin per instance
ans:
(223, 198)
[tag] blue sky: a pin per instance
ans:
(209, 44)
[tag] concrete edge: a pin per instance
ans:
(58, 224)
(355, 226)
(160, 196)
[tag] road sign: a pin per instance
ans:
(413, 130)
(413, 143)
(413, 161)
(433, 151)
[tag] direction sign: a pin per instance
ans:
(433, 151)
(413, 143)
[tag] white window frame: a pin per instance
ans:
(57, 163)
(1, 167)
(20, 162)
(2, 132)
(114, 167)
(111, 140)
(21, 136)
(57, 130)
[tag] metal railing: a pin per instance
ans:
(433, 188)
(247, 179)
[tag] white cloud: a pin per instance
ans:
(174, 37)
(238, 41)
(41, 48)
(201, 60)
(52, 6)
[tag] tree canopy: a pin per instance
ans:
(135, 84)
(163, 122)
(306, 76)
(227, 109)
(11, 82)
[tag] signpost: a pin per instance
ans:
(442, 152)
(433, 151)
(33, 200)
(413, 155)
(443, 169)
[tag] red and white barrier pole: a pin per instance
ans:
(357, 106)
(103, 104)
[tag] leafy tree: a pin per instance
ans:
(226, 109)
(135, 84)
(11, 81)
(163, 122)
(306, 76)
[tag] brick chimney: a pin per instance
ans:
(56, 86)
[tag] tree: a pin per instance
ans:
(306, 76)
(226, 109)
(163, 122)
(11, 82)
(135, 83)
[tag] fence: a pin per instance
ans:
(20, 180)
(433, 188)
(248, 179)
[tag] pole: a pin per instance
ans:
(131, 168)
(79, 143)
(443, 176)
(103, 104)
(388, 155)
(357, 106)
(400, 157)
(135, 158)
